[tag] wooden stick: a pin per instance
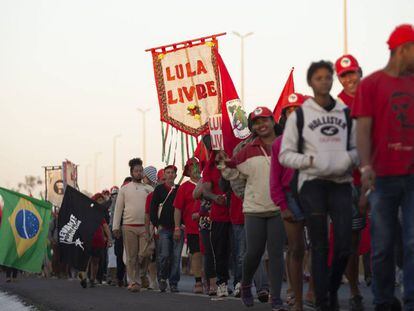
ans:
(163, 47)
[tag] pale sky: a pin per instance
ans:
(73, 72)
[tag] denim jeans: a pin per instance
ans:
(389, 195)
(320, 199)
(169, 256)
(239, 250)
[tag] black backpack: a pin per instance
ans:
(300, 123)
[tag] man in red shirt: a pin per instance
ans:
(384, 108)
(185, 206)
(349, 74)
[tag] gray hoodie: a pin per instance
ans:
(325, 138)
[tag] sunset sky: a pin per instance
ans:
(74, 72)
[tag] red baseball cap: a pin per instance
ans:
(346, 63)
(160, 174)
(260, 112)
(294, 100)
(97, 196)
(401, 34)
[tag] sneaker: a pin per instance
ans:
(237, 290)
(246, 295)
(355, 303)
(91, 283)
(212, 290)
(174, 289)
(263, 295)
(163, 285)
(198, 288)
(145, 282)
(222, 290)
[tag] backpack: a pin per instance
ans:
(299, 124)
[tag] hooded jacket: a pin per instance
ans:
(325, 137)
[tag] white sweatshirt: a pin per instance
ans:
(130, 204)
(325, 138)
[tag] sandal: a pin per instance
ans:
(290, 300)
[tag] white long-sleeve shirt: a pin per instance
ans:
(130, 204)
(325, 137)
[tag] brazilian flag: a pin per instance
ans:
(24, 230)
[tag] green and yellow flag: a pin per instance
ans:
(23, 231)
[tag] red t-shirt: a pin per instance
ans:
(185, 202)
(148, 203)
(390, 103)
(349, 101)
(219, 213)
(236, 210)
(98, 240)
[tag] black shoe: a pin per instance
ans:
(355, 303)
(91, 283)
(394, 306)
(163, 285)
(83, 283)
(174, 289)
(263, 296)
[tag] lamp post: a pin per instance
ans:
(114, 158)
(144, 134)
(97, 154)
(242, 37)
(345, 27)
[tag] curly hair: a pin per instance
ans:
(134, 162)
(316, 66)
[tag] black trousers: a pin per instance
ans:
(119, 251)
(220, 241)
(320, 199)
(209, 264)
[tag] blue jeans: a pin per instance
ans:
(239, 250)
(390, 194)
(169, 256)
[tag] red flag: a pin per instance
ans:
(234, 119)
(288, 89)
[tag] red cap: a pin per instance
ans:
(401, 34)
(294, 100)
(160, 174)
(97, 196)
(260, 112)
(346, 63)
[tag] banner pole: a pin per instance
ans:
(163, 47)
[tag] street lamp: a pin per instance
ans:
(345, 27)
(242, 37)
(97, 154)
(114, 158)
(144, 139)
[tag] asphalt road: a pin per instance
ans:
(65, 295)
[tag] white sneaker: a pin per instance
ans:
(222, 290)
(237, 290)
